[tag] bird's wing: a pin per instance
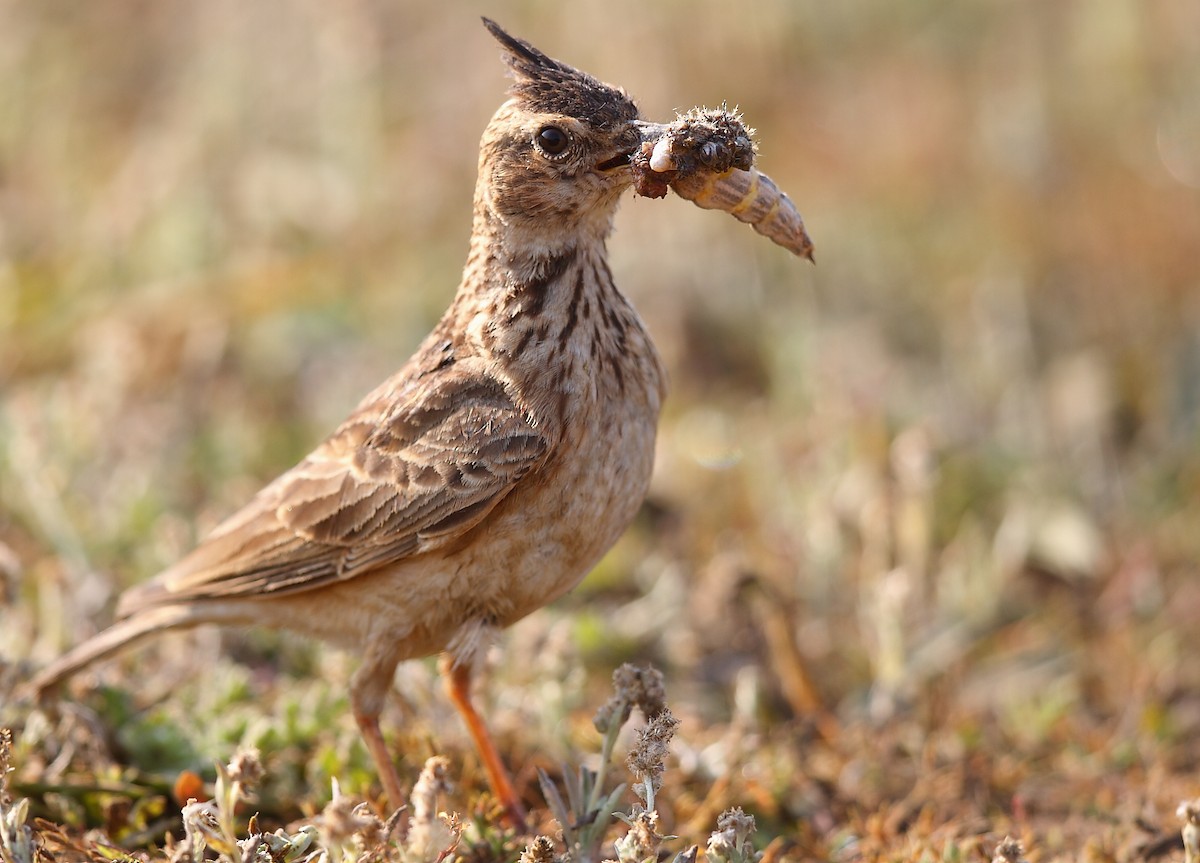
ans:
(410, 471)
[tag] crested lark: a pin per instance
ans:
(487, 476)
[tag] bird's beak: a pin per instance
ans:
(646, 131)
(649, 131)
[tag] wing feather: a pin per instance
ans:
(415, 467)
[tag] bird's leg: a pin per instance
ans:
(368, 690)
(458, 683)
(368, 724)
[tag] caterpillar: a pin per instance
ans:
(751, 197)
(707, 157)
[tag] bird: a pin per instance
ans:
(488, 475)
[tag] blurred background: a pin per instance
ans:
(936, 499)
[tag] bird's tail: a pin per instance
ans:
(117, 637)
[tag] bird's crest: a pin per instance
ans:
(548, 86)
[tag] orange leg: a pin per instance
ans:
(458, 684)
(368, 724)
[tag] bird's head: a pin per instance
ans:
(556, 154)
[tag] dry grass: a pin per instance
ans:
(919, 563)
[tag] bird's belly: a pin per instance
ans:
(602, 487)
(552, 531)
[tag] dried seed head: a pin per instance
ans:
(338, 822)
(641, 840)
(1009, 851)
(687, 855)
(612, 712)
(641, 686)
(738, 821)
(201, 822)
(632, 686)
(342, 819)
(540, 850)
(431, 833)
(731, 842)
(647, 758)
(433, 839)
(246, 767)
(432, 782)
(372, 830)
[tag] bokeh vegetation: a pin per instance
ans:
(920, 559)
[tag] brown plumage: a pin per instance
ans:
(487, 476)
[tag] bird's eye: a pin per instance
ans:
(551, 140)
